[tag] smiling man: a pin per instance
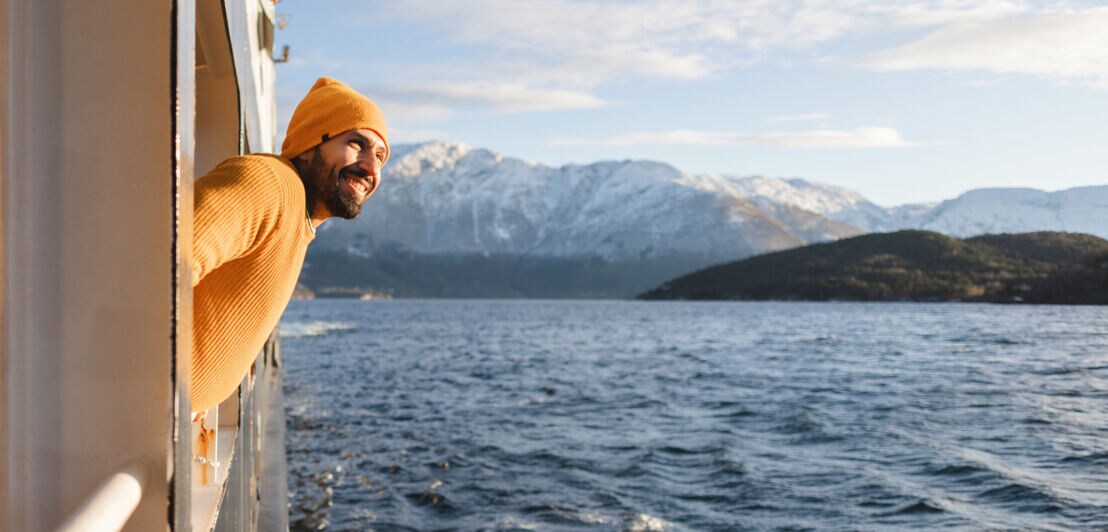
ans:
(254, 217)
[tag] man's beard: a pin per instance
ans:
(323, 183)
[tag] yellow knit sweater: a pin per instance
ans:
(250, 234)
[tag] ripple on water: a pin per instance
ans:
(918, 507)
(301, 329)
(518, 415)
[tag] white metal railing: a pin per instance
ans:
(112, 502)
(218, 443)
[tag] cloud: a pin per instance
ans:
(1069, 47)
(799, 118)
(401, 135)
(408, 112)
(512, 56)
(583, 43)
(863, 137)
(580, 44)
(501, 97)
(935, 13)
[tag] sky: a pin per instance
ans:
(903, 101)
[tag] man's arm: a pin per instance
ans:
(235, 206)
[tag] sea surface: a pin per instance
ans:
(625, 415)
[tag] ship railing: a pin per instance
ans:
(234, 447)
(112, 502)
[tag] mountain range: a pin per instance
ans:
(519, 228)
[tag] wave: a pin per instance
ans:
(646, 523)
(304, 329)
(918, 507)
(545, 418)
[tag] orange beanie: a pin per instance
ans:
(330, 108)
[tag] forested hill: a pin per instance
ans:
(1043, 267)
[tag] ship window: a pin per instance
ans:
(265, 32)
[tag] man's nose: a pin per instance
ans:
(370, 164)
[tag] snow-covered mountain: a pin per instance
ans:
(445, 197)
(833, 202)
(448, 198)
(460, 221)
(1017, 210)
(981, 211)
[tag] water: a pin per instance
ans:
(618, 415)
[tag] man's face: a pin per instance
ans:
(341, 173)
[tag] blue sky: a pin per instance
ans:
(903, 101)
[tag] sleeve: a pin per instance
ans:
(235, 206)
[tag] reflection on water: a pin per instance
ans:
(673, 416)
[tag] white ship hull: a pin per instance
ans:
(109, 109)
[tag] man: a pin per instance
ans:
(254, 217)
